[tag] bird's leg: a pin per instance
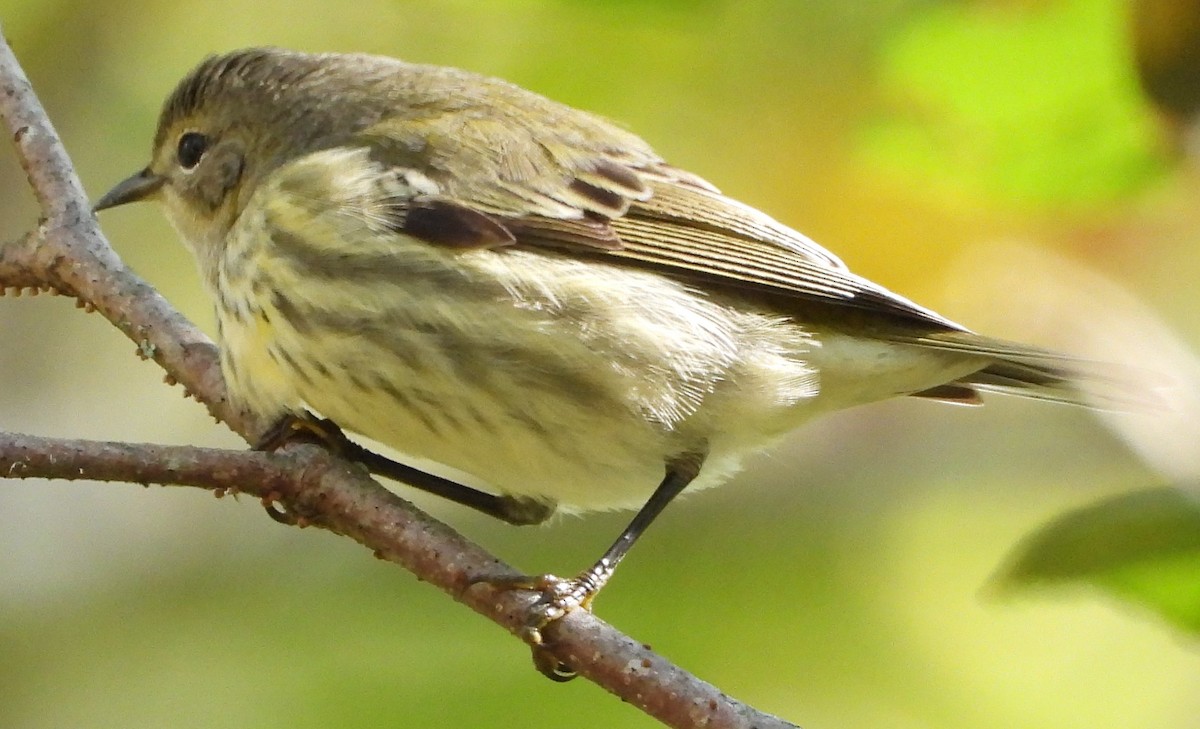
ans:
(561, 596)
(512, 509)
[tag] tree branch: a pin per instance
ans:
(67, 253)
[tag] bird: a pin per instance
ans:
(527, 293)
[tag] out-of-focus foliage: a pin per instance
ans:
(1166, 46)
(837, 582)
(1036, 106)
(1143, 546)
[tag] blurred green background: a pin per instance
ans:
(994, 160)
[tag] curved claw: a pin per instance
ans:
(558, 598)
(549, 666)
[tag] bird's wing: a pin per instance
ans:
(583, 186)
(671, 223)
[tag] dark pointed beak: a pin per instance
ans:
(138, 187)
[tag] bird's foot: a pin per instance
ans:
(307, 428)
(558, 598)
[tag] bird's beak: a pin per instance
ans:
(139, 186)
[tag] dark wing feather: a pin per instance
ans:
(697, 235)
(703, 235)
(582, 185)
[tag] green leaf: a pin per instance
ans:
(1143, 547)
(1032, 106)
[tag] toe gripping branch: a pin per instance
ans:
(559, 597)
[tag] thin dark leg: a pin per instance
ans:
(679, 475)
(561, 596)
(512, 509)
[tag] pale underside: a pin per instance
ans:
(540, 374)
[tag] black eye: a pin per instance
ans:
(191, 148)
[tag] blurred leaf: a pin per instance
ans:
(1166, 40)
(1036, 105)
(1142, 546)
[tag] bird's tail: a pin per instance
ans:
(1031, 372)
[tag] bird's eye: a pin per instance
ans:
(191, 148)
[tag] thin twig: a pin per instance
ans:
(69, 254)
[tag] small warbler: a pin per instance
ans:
(479, 276)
